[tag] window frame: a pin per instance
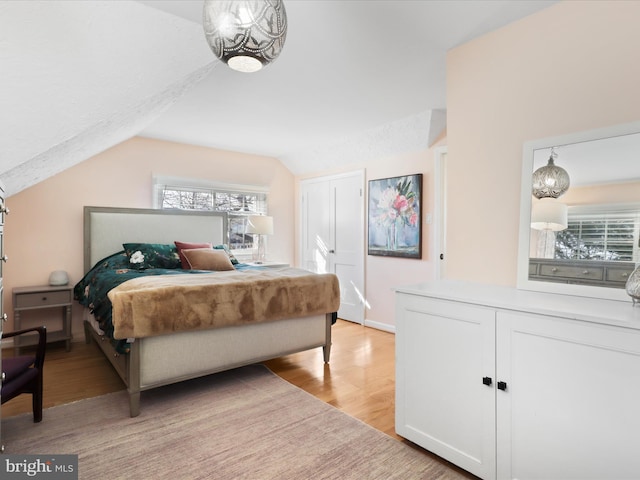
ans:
(162, 183)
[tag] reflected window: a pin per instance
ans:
(611, 237)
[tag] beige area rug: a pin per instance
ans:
(247, 423)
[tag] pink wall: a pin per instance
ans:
(383, 274)
(44, 229)
(568, 68)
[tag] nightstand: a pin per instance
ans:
(268, 264)
(41, 297)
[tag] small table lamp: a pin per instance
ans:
(260, 225)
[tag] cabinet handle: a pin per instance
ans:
(585, 272)
(4, 209)
(5, 317)
(554, 269)
(502, 386)
(487, 381)
(4, 258)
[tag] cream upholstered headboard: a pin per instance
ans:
(107, 228)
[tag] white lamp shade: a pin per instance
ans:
(549, 214)
(58, 277)
(260, 224)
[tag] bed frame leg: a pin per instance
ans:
(134, 404)
(87, 332)
(133, 374)
(326, 349)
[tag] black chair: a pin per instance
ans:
(23, 374)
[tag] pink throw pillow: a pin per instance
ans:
(188, 246)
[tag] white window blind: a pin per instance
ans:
(239, 201)
(611, 236)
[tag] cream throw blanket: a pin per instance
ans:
(161, 304)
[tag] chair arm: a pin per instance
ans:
(42, 341)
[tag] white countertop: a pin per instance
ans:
(609, 312)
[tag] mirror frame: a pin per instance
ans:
(523, 282)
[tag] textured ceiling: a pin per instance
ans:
(356, 78)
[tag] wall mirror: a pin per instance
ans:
(598, 245)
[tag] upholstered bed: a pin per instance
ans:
(177, 327)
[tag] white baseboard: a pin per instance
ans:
(380, 326)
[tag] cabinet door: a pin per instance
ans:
(571, 409)
(443, 352)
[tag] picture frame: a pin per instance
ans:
(395, 216)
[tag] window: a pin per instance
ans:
(611, 236)
(239, 201)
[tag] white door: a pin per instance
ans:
(332, 234)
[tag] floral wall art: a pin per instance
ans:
(395, 216)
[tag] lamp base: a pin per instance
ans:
(259, 255)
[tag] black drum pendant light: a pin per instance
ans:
(245, 34)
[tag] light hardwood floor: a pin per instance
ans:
(360, 379)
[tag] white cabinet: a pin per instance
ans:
(443, 353)
(572, 405)
(517, 385)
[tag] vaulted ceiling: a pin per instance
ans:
(356, 78)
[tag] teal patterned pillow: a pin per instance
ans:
(152, 255)
(234, 260)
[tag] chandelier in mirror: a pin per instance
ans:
(550, 181)
(247, 35)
